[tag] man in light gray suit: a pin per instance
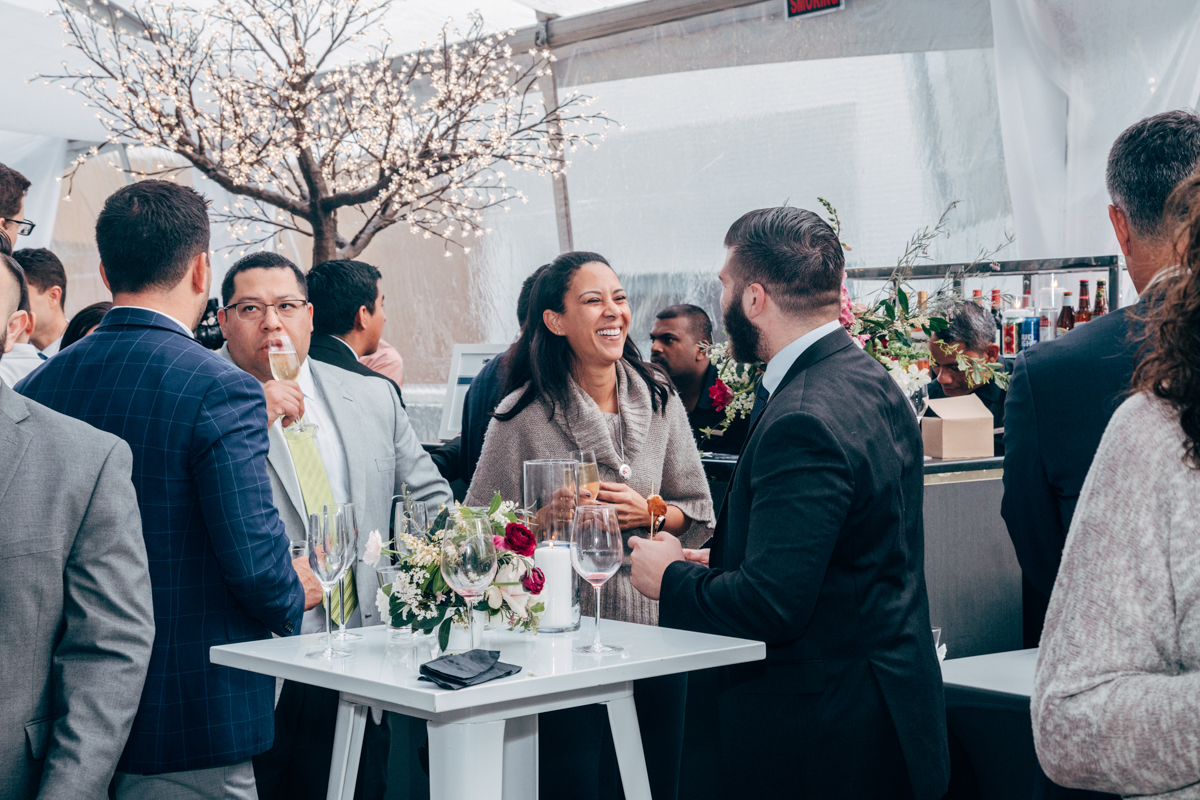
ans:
(367, 450)
(76, 603)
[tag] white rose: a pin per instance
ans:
(515, 595)
(374, 548)
(384, 604)
(494, 598)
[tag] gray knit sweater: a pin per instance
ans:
(1116, 701)
(658, 446)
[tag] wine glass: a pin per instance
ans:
(329, 556)
(285, 366)
(469, 564)
(596, 550)
(589, 475)
(349, 522)
(411, 517)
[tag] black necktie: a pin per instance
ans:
(760, 402)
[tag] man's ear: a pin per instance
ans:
(104, 277)
(222, 315)
(199, 273)
(55, 294)
(360, 319)
(992, 352)
(31, 323)
(1121, 228)
(16, 326)
(754, 300)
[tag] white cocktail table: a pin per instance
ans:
(1005, 675)
(483, 740)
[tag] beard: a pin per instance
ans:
(744, 335)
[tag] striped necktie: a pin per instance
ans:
(317, 493)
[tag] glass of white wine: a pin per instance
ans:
(285, 366)
(589, 476)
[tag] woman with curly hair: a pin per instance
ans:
(1117, 694)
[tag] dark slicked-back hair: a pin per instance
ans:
(13, 186)
(18, 275)
(337, 289)
(43, 270)
(546, 361)
(1148, 160)
(263, 260)
(149, 232)
(526, 293)
(793, 253)
(697, 316)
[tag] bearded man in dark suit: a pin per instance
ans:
(819, 548)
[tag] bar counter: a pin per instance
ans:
(971, 571)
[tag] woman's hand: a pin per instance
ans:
(631, 506)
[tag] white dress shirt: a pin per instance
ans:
(164, 315)
(23, 360)
(53, 347)
(778, 366)
(327, 438)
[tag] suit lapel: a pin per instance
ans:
(13, 441)
(280, 459)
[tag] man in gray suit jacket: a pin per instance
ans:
(78, 618)
(368, 451)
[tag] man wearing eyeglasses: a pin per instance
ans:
(972, 332)
(13, 186)
(362, 452)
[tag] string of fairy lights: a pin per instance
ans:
(260, 97)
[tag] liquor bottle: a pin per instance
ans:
(998, 316)
(1101, 307)
(977, 297)
(996, 302)
(922, 299)
(1084, 312)
(1066, 317)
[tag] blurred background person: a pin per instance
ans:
(677, 345)
(78, 622)
(85, 321)
(972, 332)
(47, 296)
(13, 186)
(358, 421)
(576, 381)
(348, 315)
(1117, 688)
(387, 361)
(22, 358)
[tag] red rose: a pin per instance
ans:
(519, 539)
(721, 395)
(534, 581)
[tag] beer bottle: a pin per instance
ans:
(977, 297)
(1101, 307)
(922, 299)
(1066, 317)
(1084, 312)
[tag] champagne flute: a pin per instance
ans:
(329, 558)
(285, 366)
(589, 475)
(469, 564)
(596, 550)
(350, 525)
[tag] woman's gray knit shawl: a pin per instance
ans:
(658, 446)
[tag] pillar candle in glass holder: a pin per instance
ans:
(551, 492)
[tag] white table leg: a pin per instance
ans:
(521, 758)
(347, 746)
(466, 760)
(627, 739)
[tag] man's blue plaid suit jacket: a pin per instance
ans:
(219, 561)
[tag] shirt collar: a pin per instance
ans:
(353, 352)
(307, 385)
(778, 366)
(179, 324)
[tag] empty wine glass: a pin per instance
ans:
(285, 366)
(350, 523)
(469, 564)
(596, 550)
(411, 517)
(330, 554)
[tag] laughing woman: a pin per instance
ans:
(577, 382)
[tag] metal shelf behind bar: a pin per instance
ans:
(1029, 267)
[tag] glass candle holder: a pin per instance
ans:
(551, 494)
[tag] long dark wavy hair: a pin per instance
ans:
(546, 362)
(1169, 365)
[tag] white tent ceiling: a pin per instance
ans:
(31, 42)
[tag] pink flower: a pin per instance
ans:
(535, 581)
(500, 542)
(721, 395)
(519, 539)
(846, 317)
(861, 340)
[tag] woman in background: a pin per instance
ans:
(84, 322)
(577, 382)
(1117, 691)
